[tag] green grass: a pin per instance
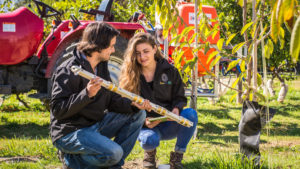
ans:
(25, 133)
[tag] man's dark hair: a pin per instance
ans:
(96, 36)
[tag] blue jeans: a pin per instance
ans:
(150, 138)
(92, 147)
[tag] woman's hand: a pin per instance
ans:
(144, 106)
(93, 86)
(151, 124)
(176, 111)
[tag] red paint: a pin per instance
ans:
(58, 32)
(17, 46)
(186, 11)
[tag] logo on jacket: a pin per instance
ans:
(164, 77)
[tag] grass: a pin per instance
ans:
(25, 133)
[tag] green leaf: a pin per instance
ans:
(243, 66)
(269, 48)
(174, 40)
(220, 43)
(288, 8)
(237, 47)
(178, 58)
(259, 79)
(233, 97)
(187, 30)
(246, 27)
(185, 79)
(214, 62)
(260, 96)
(281, 32)
(230, 38)
(165, 33)
(232, 64)
(192, 38)
(193, 62)
(221, 15)
(276, 20)
(206, 49)
(295, 41)
(226, 25)
(211, 55)
(251, 96)
(235, 82)
(215, 33)
(187, 69)
(282, 42)
(267, 52)
(254, 29)
(241, 3)
(182, 44)
(250, 49)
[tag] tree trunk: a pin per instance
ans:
(254, 52)
(249, 65)
(270, 88)
(239, 99)
(284, 87)
(193, 103)
(282, 93)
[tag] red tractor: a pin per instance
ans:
(26, 63)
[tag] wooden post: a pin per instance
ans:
(193, 103)
(254, 51)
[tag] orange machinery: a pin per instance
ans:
(186, 11)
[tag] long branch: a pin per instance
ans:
(212, 74)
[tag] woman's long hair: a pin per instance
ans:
(131, 69)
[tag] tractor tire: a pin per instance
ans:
(116, 59)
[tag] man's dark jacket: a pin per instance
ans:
(71, 108)
(168, 88)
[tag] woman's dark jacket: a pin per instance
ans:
(168, 88)
(71, 108)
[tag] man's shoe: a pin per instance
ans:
(175, 160)
(149, 159)
(61, 157)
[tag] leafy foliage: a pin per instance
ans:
(271, 14)
(122, 10)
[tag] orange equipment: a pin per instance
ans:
(186, 12)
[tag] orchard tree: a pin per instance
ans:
(258, 28)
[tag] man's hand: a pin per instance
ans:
(93, 86)
(151, 124)
(175, 111)
(144, 106)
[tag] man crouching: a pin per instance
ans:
(80, 127)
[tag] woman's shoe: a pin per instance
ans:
(149, 159)
(175, 160)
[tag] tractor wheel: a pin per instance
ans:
(116, 59)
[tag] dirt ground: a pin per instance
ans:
(135, 164)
